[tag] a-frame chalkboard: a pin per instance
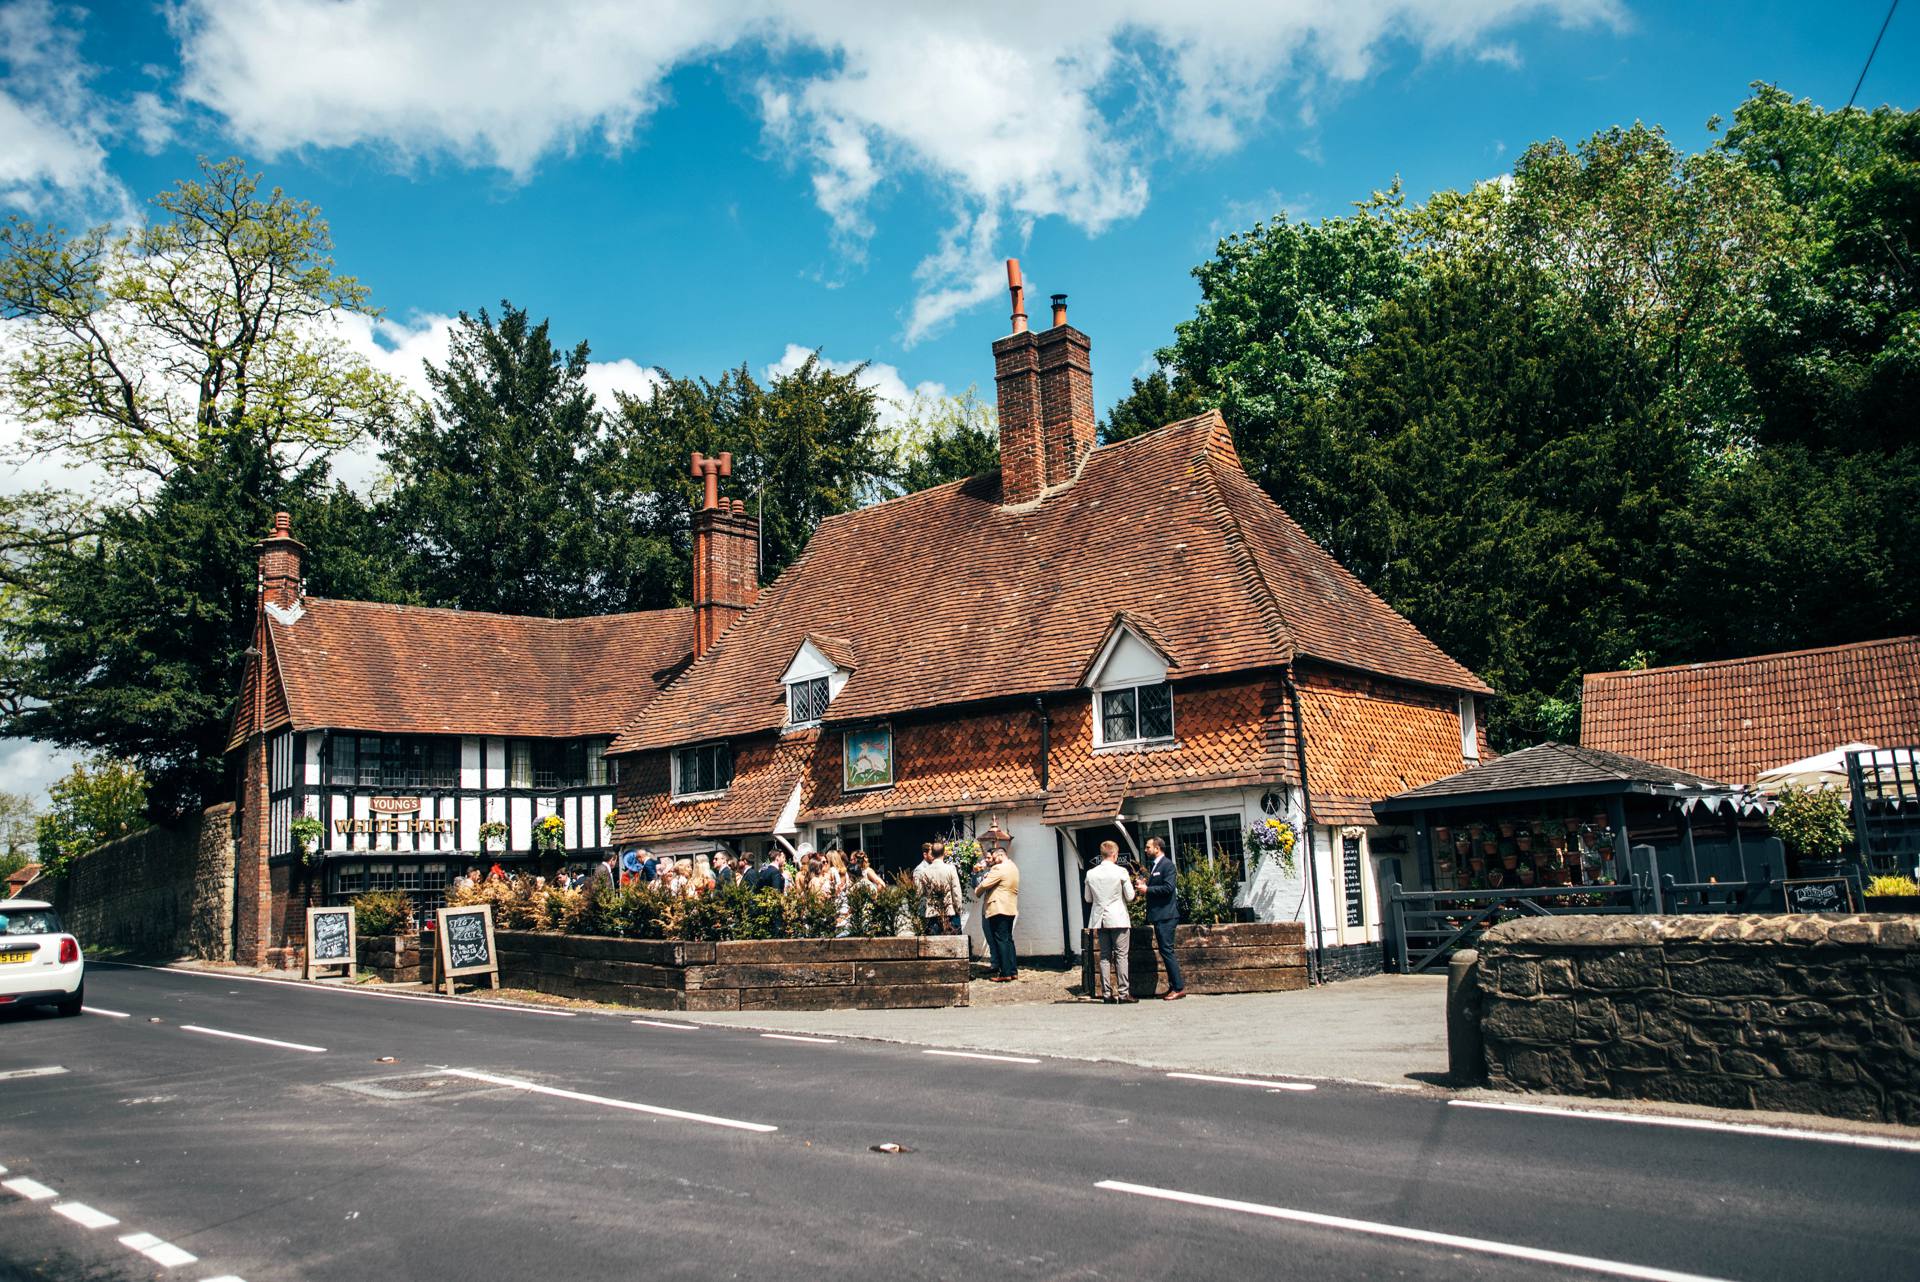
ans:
(465, 945)
(331, 941)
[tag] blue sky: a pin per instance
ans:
(699, 185)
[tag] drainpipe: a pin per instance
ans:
(1046, 737)
(1306, 798)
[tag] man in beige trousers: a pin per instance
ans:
(1000, 888)
(1108, 891)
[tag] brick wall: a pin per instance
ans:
(1795, 1013)
(165, 892)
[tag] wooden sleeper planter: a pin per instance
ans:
(1234, 957)
(396, 959)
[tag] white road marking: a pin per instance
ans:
(629, 1105)
(1004, 1059)
(249, 1037)
(51, 1070)
(85, 1216)
(32, 1190)
(1245, 1081)
(661, 1023)
(165, 1254)
(1701, 1124)
(795, 1037)
(464, 1002)
(224, 1277)
(110, 1014)
(1452, 1241)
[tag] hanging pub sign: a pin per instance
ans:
(867, 759)
(465, 945)
(330, 940)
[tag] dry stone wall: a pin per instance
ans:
(1816, 1014)
(165, 892)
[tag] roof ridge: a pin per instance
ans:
(457, 612)
(1752, 658)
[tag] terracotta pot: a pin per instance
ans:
(1462, 846)
(1442, 834)
(1489, 847)
(1506, 827)
(1524, 841)
(1510, 862)
(1526, 877)
(1477, 864)
(1558, 843)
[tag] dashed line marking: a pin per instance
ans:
(1699, 1124)
(608, 1102)
(110, 1014)
(661, 1023)
(32, 1190)
(165, 1254)
(795, 1037)
(1245, 1081)
(1001, 1059)
(249, 1037)
(51, 1070)
(1451, 1241)
(85, 1216)
(466, 1003)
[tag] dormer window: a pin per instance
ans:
(1136, 714)
(814, 678)
(1132, 702)
(807, 701)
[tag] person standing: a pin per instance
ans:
(723, 872)
(952, 897)
(1000, 888)
(605, 874)
(930, 899)
(1163, 914)
(1108, 891)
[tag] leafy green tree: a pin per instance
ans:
(94, 803)
(806, 446)
(503, 488)
(946, 439)
(143, 350)
(1153, 401)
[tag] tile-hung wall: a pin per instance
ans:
(460, 782)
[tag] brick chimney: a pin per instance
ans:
(282, 558)
(726, 556)
(1045, 386)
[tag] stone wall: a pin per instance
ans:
(395, 959)
(1236, 957)
(165, 892)
(772, 974)
(1815, 1014)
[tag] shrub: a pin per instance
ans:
(632, 911)
(1811, 823)
(1892, 886)
(1206, 889)
(911, 900)
(810, 915)
(383, 912)
(562, 908)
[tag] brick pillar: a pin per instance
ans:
(1016, 377)
(1067, 422)
(726, 569)
(252, 885)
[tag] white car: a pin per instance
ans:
(40, 964)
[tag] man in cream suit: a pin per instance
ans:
(1108, 891)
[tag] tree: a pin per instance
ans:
(1154, 401)
(502, 496)
(805, 447)
(91, 805)
(946, 439)
(144, 350)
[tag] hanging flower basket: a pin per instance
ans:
(549, 834)
(493, 835)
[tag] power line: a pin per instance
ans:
(1876, 49)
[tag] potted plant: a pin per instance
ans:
(1506, 827)
(1509, 856)
(1814, 826)
(1477, 863)
(1893, 895)
(1442, 834)
(493, 836)
(1476, 830)
(1556, 834)
(1527, 876)
(1524, 840)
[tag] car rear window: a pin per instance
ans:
(30, 921)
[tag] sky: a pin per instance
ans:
(696, 186)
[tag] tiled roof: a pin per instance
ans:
(412, 670)
(950, 598)
(1362, 746)
(1737, 718)
(1555, 765)
(939, 768)
(765, 772)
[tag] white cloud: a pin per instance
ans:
(51, 124)
(1012, 111)
(895, 396)
(604, 378)
(28, 766)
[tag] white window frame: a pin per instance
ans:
(674, 767)
(1100, 698)
(1469, 729)
(824, 684)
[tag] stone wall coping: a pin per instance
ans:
(1876, 930)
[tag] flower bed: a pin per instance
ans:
(1232, 957)
(740, 974)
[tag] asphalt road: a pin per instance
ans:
(510, 1143)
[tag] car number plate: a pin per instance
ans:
(15, 955)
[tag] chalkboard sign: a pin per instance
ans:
(1820, 895)
(465, 944)
(330, 940)
(1350, 870)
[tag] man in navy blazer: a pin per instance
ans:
(1163, 914)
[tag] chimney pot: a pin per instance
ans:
(1017, 288)
(1059, 309)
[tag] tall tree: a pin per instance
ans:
(1153, 401)
(948, 438)
(503, 487)
(93, 803)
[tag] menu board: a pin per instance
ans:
(1819, 895)
(1350, 865)
(465, 944)
(330, 940)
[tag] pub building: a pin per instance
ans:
(1086, 643)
